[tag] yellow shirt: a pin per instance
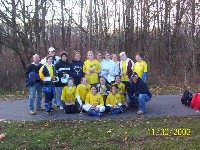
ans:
(82, 91)
(94, 99)
(68, 95)
(93, 77)
(50, 68)
(113, 99)
(140, 68)
(121, 89)
(124, 77)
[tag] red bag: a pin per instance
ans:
(195, 103)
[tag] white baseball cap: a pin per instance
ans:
(51, 49)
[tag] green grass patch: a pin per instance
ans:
(127, 134)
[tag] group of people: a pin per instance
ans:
(93, 86)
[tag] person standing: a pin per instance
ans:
(125, 66)
(99, 56)
(63, 71)
(91, 68)
(53, 54)
(108, 69)
(35, 85)
(114, 58)
(140, 67)
(77, 69)
(55, 60)
(139, 93)
(48, 74)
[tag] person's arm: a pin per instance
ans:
(84, 68)
(144, 76)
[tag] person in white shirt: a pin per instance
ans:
(108, 68)
(51, 53)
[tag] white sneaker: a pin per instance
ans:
(61, 107)
(140, 112)
(32, 112)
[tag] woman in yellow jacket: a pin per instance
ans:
(121, 89)
(81, 92)
(91, 68)
(69, 97)
(140, 67)
(113, 101)
(47, 73)
(94, 103)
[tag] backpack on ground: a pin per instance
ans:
(187, 98)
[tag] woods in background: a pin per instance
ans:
(167, 32)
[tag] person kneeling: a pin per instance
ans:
(69, 96)
(139, 93)
(94, 103)
(113, 101)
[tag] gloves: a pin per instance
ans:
(144, 76)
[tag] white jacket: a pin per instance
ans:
(110, 67)
(43, 61)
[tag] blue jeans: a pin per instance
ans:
(36, 88)
(142, 98)
(58, 92)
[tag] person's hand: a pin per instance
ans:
(88, 73)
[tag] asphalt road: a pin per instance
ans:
(159, 106)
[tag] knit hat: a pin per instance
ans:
(51, 49)
(134, 74)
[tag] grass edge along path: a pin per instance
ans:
(133, 133)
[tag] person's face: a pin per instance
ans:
(102, 81)
(99, 56)
(77, 57)
(107, 56)
(70, 83)
(135, 78)
(138, 58)
(123, 57)
(64, 58)
(84, 81)
(90, 56)
(118, 79)
(36, 59)
(93, 90)
(49, 60)
(52, 53)
(114, 90)
(114, 58)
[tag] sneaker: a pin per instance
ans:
(52, 109)
(47, 112)
(61, 107)
(32, 112)
(55, 105)
(140, 112)
(100, 115)
(121, 108)
(39, 109)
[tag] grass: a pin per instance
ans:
(127, 134)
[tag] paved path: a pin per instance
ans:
(162, 105)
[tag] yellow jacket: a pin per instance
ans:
(48, 69)
(94, 99)
(82, 91)
(68, 95)
(113, 100)
(121, 90)
(95, 65)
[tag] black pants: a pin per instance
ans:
(68, 109)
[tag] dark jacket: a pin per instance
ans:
(61, 68)
(77, 71)
(140, 87)
(31, 72)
